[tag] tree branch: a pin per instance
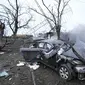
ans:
(26, 23)
(49, 12)
(6, 8)
(11, 5)
(59, 2)
(41, 14)
(65, 4)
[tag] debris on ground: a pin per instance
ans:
(10, 79)
(21, 63)
(4, 73)
(34, 66)
(1, 52)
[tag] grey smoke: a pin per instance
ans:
(78, 33)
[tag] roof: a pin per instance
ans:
(53, 41)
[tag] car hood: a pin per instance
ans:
(79, 47)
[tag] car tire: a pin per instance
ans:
(65, 72)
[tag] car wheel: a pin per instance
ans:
(65, 73)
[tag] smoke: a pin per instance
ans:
(76, 37)
(78, 33)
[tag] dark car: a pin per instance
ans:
(58, 55)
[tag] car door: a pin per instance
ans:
(51, 58)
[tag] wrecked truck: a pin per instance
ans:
(68, 60)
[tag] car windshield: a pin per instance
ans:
(48, 46)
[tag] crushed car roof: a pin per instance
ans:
(53, 41)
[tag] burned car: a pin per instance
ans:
(59, 55)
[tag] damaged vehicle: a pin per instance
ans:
(68, 60)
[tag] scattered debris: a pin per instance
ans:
(10, 79)
(21, 63)
(1, 52)
(10, 54)
(4, 73)
(34, 66)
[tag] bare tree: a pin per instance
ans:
(55, 14)
(13, 15)
(43, 13)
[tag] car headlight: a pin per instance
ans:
(80, 69)
(77, 62)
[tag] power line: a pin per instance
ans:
(38, 24)
(39, 27)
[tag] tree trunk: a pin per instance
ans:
(14, 34)
(58, 28)
(16, 20)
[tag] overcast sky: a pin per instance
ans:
(75, 16)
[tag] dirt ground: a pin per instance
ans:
(22, 75)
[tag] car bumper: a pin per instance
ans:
(81, 72)
(80, 69)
